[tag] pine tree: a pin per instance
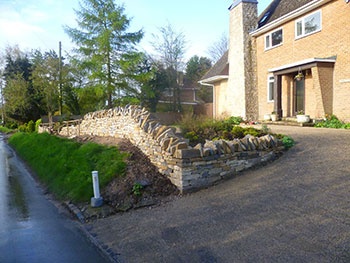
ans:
(103, 43)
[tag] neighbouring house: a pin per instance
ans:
(294, 57)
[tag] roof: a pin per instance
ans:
(220, 69)
(303, 64)
(279, 8)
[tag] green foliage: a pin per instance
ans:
(123, 101)
(288, 142)
(22, 128)
(31, 126)
(332, 122)
(238, 132)
(65, 166)
(5, 129)
(199, 129)
(37, 124)
(234, 120)
(196, 67)
(105, 46)
(21, 100)
(137, 189)
(27, 127)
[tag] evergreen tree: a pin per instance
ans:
(22, 102)
(103, 44)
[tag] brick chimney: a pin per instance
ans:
(242, 94)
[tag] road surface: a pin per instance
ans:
(32, 229)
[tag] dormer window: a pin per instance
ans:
(273, 39)
(308, 25)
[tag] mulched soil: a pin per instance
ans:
(119, 195)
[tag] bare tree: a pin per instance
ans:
(218, 48)
(170, 46)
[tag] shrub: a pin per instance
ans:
(237, 132)
(199, 129)
(22, 128)
(5, 129)
(332, 122)
(288, 142)
(31, 126)
(37, 124)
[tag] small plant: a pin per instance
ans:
(22, 128)
(332, 121)
(265, 129)
(300, 112)
(137, 189)
(37, 124)
(237, 132)
(30, 126)
(288, 142)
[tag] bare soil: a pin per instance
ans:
(141, 186)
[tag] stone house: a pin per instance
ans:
(294, 57)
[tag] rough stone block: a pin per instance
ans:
(187, 153)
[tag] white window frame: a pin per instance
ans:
(270, 80)
(268, 43)
(302, 20)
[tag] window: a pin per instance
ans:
(308, 25)
(274, 39)
(270, 88)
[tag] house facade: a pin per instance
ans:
(295, 59)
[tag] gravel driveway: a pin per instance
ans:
(296, 209)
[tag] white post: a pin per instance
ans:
(97, 200)
(95, 184)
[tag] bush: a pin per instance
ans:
(22, 128)
(238, 132)
(37, 124)
(31, 126)
(65, 166)
(332, 122)
(199, 129)
(288, 142)
(5, 129)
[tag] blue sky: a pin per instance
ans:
(38, 24)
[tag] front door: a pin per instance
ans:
(299, 96)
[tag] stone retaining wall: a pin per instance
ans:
(187, 167)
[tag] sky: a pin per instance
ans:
(38, 24)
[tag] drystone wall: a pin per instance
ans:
(187, 167)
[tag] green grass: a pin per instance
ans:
(5, 129)
(65, 166)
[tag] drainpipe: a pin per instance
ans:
(214, 96)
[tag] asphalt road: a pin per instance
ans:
(32, 229)
(296, 209)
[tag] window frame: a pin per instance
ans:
(270, 80)
(302, 20)
(269, 36)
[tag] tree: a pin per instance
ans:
(152, 90)
(170, 48)
(45, 78)
(21, 101)
(196, 67)
(104, 43)
(218, 48)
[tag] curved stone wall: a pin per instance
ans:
(187, 167)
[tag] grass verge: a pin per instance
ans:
(65, 166)
(4, 129)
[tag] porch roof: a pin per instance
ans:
(301, 65)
